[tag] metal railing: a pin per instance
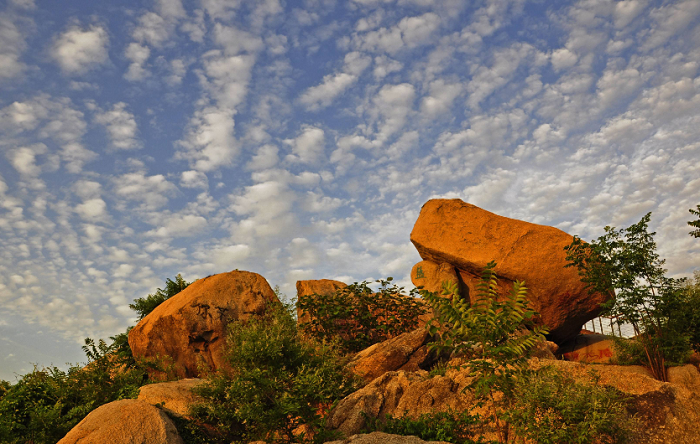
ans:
(608, 325)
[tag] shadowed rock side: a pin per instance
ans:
(317, 286)
(450, 231)
(190, 327)
(127, 421)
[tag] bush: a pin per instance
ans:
(358, 317)
(278, 382)
(550, 408)
(493, 335)
(143, 306)
(450, 426)
(626, 261)
(46, 403)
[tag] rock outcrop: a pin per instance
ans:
(467, 238)
(317, 286)
(190, 327)
(382, 438)
(174, 397)
(399, 393)
(668, 412)
(127, 421)
(408, 351)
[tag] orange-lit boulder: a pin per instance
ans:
(430, 276)
(468, 237)
(189, 329)
(128, 421)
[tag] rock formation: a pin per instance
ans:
(174, 397)
(190, 328)
(455, 233)
(127, 421)
(408, 352)
(668, 412)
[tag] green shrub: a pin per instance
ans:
(493, 335)
(450, 426)
(695, 223)
(550, 408)
(358, 317)
(46, 403)
(625, 261)
(278, 381)
(143, 306)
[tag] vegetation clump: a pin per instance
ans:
(659, 308)
(278, 381)
(357, 316)
(449, 426)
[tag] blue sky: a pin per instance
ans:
(299, 140)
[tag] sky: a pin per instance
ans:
(299, 140)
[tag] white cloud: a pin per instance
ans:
(265, 157)
(77, 50)
(410, 32)
(92, 209)
(121, 127)
(180, 226)
(138, 55)
(563, 58)
(152, 29)
(194, 179)
(628, 10)
(322, 95)
(12, 45)
(236, 40)
(210, 142)
(23, 159)
(153, 191)
(267, 207)
(615, 85)
(309, 146)
(670, 19)
(441, 97)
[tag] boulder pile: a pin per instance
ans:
(456, 241)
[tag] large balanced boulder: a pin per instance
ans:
(450, 231)
(128, 421)
(189, 329)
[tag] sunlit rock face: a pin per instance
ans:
(189, 329)
(450, 232)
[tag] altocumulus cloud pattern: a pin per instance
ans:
(298, 139)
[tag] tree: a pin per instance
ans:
(695, 223)
(495, 336)
(143, 306)
(625, 261)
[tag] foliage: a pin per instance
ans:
(279, 381)
(550, 408)
(626, 261)
(690, 315)
(695, 223)
(46, 403)
(450, 426)
(358, 317)
(492, 334)
(143, 306)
